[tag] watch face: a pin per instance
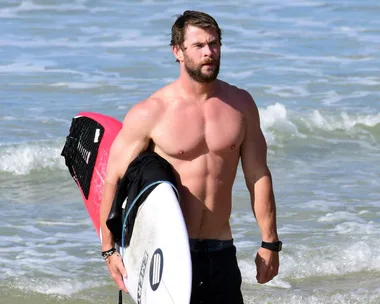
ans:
(279, 246)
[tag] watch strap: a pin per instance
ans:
(273, 246)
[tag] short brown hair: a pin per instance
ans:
(194, 18)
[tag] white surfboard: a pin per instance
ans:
(158, 258)
(160, 262)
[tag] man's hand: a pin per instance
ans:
(117, 270)
(267, 264)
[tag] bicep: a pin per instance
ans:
(254, 147)
(133, 138)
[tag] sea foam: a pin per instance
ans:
(21, 159)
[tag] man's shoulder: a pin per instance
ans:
(238, 95)
(167, 92)
(146, 110)
(157, 103)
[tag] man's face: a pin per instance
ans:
(201, 50)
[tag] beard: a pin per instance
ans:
(195, 72)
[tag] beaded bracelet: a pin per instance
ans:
(106, 254)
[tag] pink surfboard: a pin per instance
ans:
(95, 133)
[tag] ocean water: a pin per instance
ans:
(313, 68)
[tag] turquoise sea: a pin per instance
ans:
(313, 68)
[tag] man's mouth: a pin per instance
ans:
(209, 62)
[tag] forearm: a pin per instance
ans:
(105, 207)
(264, 207)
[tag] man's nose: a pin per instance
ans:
(207, 50)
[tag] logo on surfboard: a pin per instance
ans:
(141, 276)
(84, 152)
(156, 268)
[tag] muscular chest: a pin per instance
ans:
(195, 130)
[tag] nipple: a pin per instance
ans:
(233, 147)
(181, 152)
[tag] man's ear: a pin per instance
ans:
(178, 52)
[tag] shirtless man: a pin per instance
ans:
(202, 126)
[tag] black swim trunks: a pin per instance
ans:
(216, 275)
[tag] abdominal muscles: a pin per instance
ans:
(205, 186)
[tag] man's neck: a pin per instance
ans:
(200, 91)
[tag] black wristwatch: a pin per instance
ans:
(274, 246)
